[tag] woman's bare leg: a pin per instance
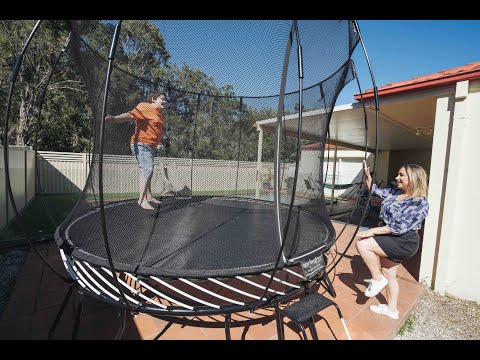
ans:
(389, 270)
(370, 251)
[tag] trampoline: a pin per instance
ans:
(195, 237)
(215, 247)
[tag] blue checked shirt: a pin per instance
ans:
(403, 215)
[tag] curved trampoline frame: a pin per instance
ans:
(100, 283)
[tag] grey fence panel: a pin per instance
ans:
(30, 175)
(3, 195)
(22, 181)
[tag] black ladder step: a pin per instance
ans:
(307, 307)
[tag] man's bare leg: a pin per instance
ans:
(149, 196)
(142, 198)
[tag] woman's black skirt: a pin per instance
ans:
(399, 247)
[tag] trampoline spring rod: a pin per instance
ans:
(210, 292)
(101, 277)
(68, 266)
(185, 294)
(120, 281)
(145, 285)
(296, 274)
(89, 286)
(116, 298)
(152, 301)
(234, 289)
(71, 270)
(281, 281)
(259, 286)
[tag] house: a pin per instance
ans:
(433, 121)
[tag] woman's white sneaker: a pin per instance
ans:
(383, 309)
(374, 287)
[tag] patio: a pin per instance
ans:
(38, 294)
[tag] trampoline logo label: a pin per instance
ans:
(313, 266)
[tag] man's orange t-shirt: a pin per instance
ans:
(148, 124)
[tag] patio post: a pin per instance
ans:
(259, 162)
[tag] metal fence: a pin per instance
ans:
(22, 179)
(63, 173)
(66, 173)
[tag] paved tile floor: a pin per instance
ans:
(38, 295)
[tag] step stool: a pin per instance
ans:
(305, 309)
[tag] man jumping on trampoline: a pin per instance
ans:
(149, 123)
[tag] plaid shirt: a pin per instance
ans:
(401, 216)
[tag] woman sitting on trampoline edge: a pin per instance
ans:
(149, 123)
(383, 248)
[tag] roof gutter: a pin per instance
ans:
(368, 94)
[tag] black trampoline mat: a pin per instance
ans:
(195, 237)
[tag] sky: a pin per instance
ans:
(403, 49)
(398, 49)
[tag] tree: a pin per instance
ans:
(37, 65)
(204, 120)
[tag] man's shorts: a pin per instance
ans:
(144, 155)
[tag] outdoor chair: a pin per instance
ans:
(311, 186)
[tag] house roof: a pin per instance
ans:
(316, 146)
(466, 72)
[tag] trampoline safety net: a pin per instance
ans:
(215, 165)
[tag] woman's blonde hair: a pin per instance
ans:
(417, 177)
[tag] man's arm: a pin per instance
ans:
(119, 118)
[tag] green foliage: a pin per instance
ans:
(62, 125)
(204, 120)
(407, 326)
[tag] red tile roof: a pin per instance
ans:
(316, 146)
(444, 77)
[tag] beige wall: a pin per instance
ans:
(451, 240)
(382, 165)
(400, 157)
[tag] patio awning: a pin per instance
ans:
(347, 128)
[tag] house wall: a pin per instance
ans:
(400, 157)
(451, 242)
(348, 169)
(383, 161)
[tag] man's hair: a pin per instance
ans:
(417, 177)
(154, 95)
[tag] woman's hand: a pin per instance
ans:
(366, 170)
(368, 177)
(365, 234)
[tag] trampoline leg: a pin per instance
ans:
(279, 321)
(328, 284)
(76, 324)
(228, 320)
(122, 314)
(60, 313)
